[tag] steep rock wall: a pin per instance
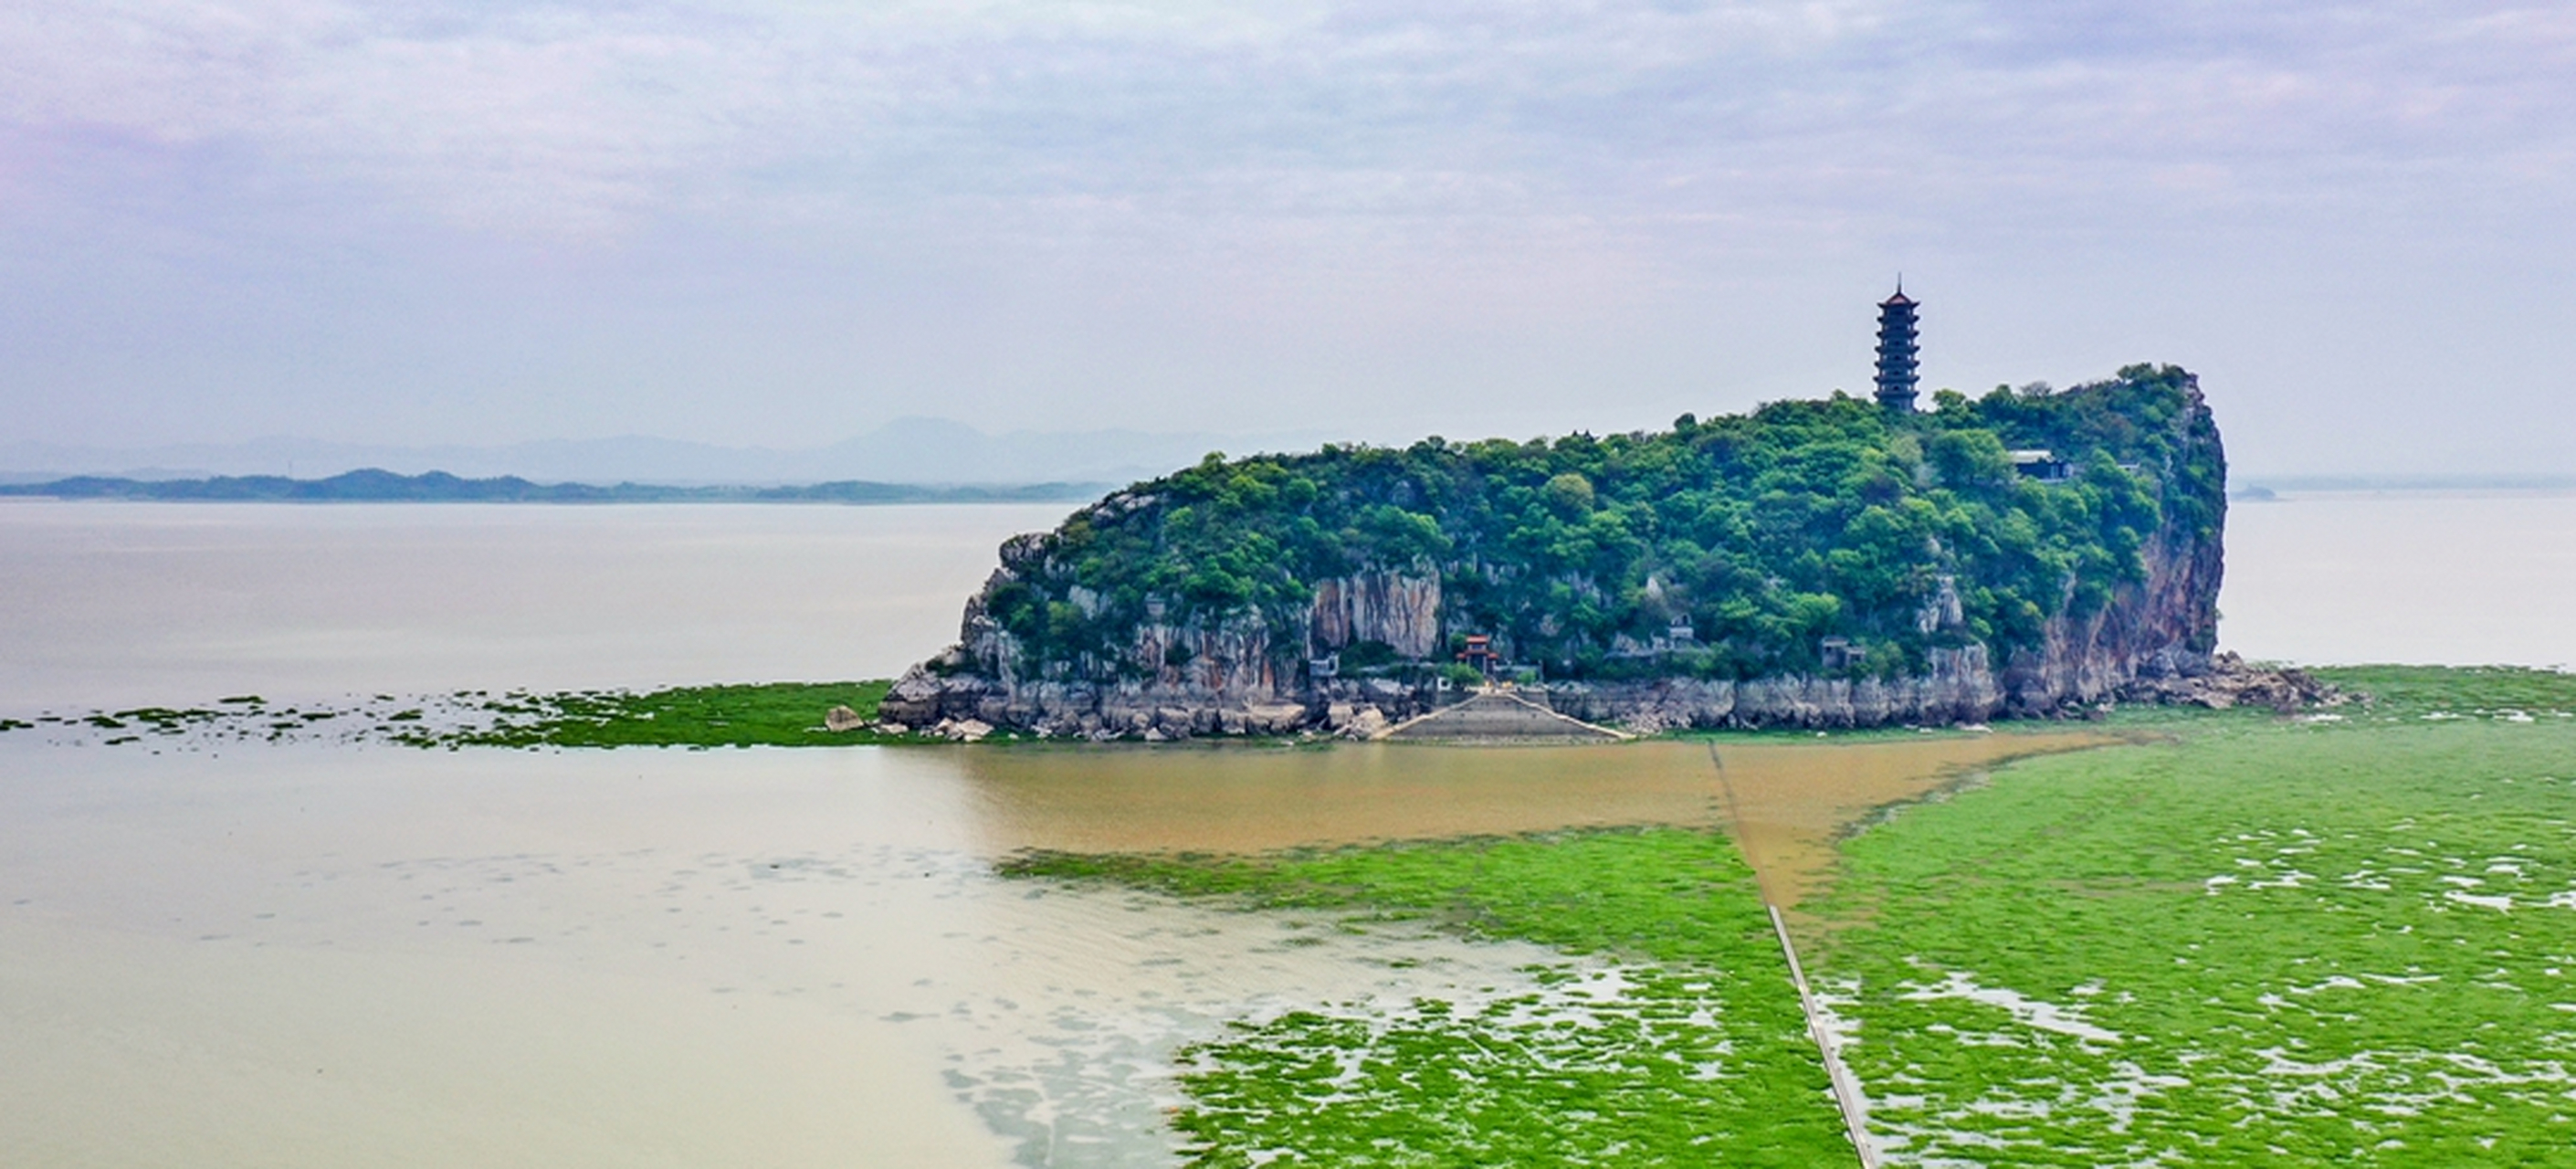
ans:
(1230, 680)
(1401, 609)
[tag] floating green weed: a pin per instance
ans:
(776, 714)
(2261, 941)
(2438, 692)
(1680, 1043)
(2265, 943)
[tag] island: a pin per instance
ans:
(1834, 562)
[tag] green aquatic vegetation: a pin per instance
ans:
(1670, 1036)
(160, 718)
(2262, 943)
(775, 714)
(2438, 692)
(778, 714)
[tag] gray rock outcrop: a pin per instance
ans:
(2149, 643)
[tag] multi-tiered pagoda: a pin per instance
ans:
(1896, 351)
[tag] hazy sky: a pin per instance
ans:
(784, 223)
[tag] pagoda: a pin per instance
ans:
(1896, 352)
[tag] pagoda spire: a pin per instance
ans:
(1896, 348)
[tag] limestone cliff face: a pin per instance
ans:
(2164, 626)
(1959, 687)
(1230, 681)
(1269, 670)
(1399, 609)
(1235, 676)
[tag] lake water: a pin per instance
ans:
(315, 956)
(2447, 578)
(309, 955)
(115, 603)
(320, 955)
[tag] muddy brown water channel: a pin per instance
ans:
(1786, 801)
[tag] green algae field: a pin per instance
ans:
(2344, 938)
(1667, 1037)
(770, 714)
(776, 714)
(2306, 942)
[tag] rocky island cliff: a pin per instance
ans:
(1810, 563)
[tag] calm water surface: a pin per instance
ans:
(2449, 578)
(127, 603)
(330, 956)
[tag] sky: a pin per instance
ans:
(788, 223)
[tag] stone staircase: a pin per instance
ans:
(1496, 715)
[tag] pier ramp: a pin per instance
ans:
(1499, 715)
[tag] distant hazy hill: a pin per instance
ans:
(377, 486)
(907, 450)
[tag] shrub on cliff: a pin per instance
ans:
(1766, 533)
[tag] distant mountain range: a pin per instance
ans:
(378, 486)
(905, 451)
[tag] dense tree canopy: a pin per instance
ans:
(1766, 532)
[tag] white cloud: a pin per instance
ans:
(585, 117)
(1111, 174)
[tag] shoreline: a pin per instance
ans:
(796, 714)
